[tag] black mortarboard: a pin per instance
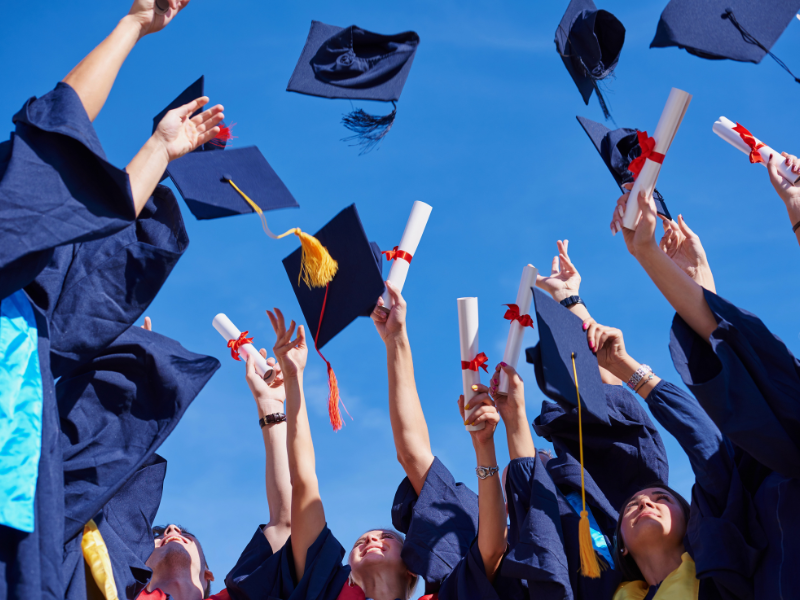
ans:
(202, 178)
(589, 42)
(193, 92)
(740, 30)
(353, 292)
(618, 148)
(356, 64)
(561, 335)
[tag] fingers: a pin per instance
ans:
(792, 162)
(554, 268)
(207, 116)
(250, 367)
(628, 186)
(568, 263)
(482, 398)
(461, 407)
(378, 315)
(511, 372)
(148, 324)
(619, 212)
(274, 321)
(685, 228)
(485, 414)
(187, 109)
(301, 336)
(778, 181)
(394, 292)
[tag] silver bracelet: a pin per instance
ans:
(638, 375)
(486, 472)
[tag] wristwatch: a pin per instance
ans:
(270, 419)
(571, 300)
(484, 472)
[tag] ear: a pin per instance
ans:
(624, 552)
(208, 575)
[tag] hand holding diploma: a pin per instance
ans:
(517, 314)
(471, 358)
(242, 347)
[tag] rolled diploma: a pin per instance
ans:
(161, 7)
(412, 234)
(229, 332)
(468, 336)
(671, 117)
(724, 129)
(517, 331)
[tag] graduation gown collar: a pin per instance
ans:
(681, 584)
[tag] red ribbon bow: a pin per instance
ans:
(394, 254)
(747, 138)
(512, 314)
(648, 146)
(478, 361)
(234, 345)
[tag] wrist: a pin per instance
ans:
(397, 339)
(268, 406)
(484, 452)
(133, 26)
(560, 295)
(624, 368)
(514, 419)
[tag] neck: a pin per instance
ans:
(180, 586)
(384, 586)
(658, 562)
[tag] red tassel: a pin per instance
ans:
(224, 136)
(333, 384)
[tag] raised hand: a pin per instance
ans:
(262, 391)
(564, 280)
(148, 324)
(291, 354)
(179, 134)
(683, 246)
(143, 12)
(512, 404)
(485, 413)
(607, 344)
(392, 323)
(643, 237)
(789, 193)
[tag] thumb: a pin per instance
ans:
(778, 182)
(511, 372)
(394, 292)
(250, 368)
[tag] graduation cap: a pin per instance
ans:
(618, 148)
(567, 372)
(352, 293)
(740, 30)
(356, 64)
(193, 92)
(589, 42)
(240, 181)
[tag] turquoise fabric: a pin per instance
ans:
(20, 412)
(598, 539)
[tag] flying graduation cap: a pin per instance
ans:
(567, 372)
(741, 30)
(618, 148)
(352, 293)
(589, 42)
(356, 64)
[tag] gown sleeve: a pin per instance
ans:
(747, 381)
(276, 577)
(439, 525)
(117, 410)
(468, 581)
(723, 533)
(93, 291)
(56, 186)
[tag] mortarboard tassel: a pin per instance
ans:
(369, 130)
(748, 37)
(317, 267)
(95, 553)
(224, 136)
(590, 566)
(333, 384)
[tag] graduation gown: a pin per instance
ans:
(723, 535)
(56, 188)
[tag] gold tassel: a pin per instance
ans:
(96, 556)
(317, 267)
(590, 567)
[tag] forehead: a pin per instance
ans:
(650, 492)
(380, 532)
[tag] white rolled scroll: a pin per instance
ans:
(671, 117)
(724, 129)
(229, 332)
(515, 330)
(468, 336)
(412, 234)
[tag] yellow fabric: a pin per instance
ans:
(681, 584)
(590, 567)
(96, 556)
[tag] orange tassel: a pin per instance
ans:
(333, 384)
(590, 567)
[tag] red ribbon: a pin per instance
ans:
(747, 138)
(648, 146)
(234, 345)
(478, 361)
(512, 314)
(394, 254)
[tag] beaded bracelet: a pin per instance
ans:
(638, 375)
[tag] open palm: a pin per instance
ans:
(291, 354)
(180, 134)
(564, 280)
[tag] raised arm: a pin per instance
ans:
(269, 401)
(308, 514)
(93, 77)
(492, 529)
(410, 431)
(177, 134)
(789, 193)
(511, 407)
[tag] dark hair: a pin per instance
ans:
(626, 565)
(158, 530)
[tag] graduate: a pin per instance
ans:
(309, 565)
(438, 515)
(744, 377)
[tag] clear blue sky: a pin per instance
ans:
(486, 134)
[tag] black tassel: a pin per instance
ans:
(369, 130)
(748, 37)
(602, 100)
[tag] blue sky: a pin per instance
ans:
(486, 134)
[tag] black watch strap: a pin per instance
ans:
(571, 300)
(270, 419)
